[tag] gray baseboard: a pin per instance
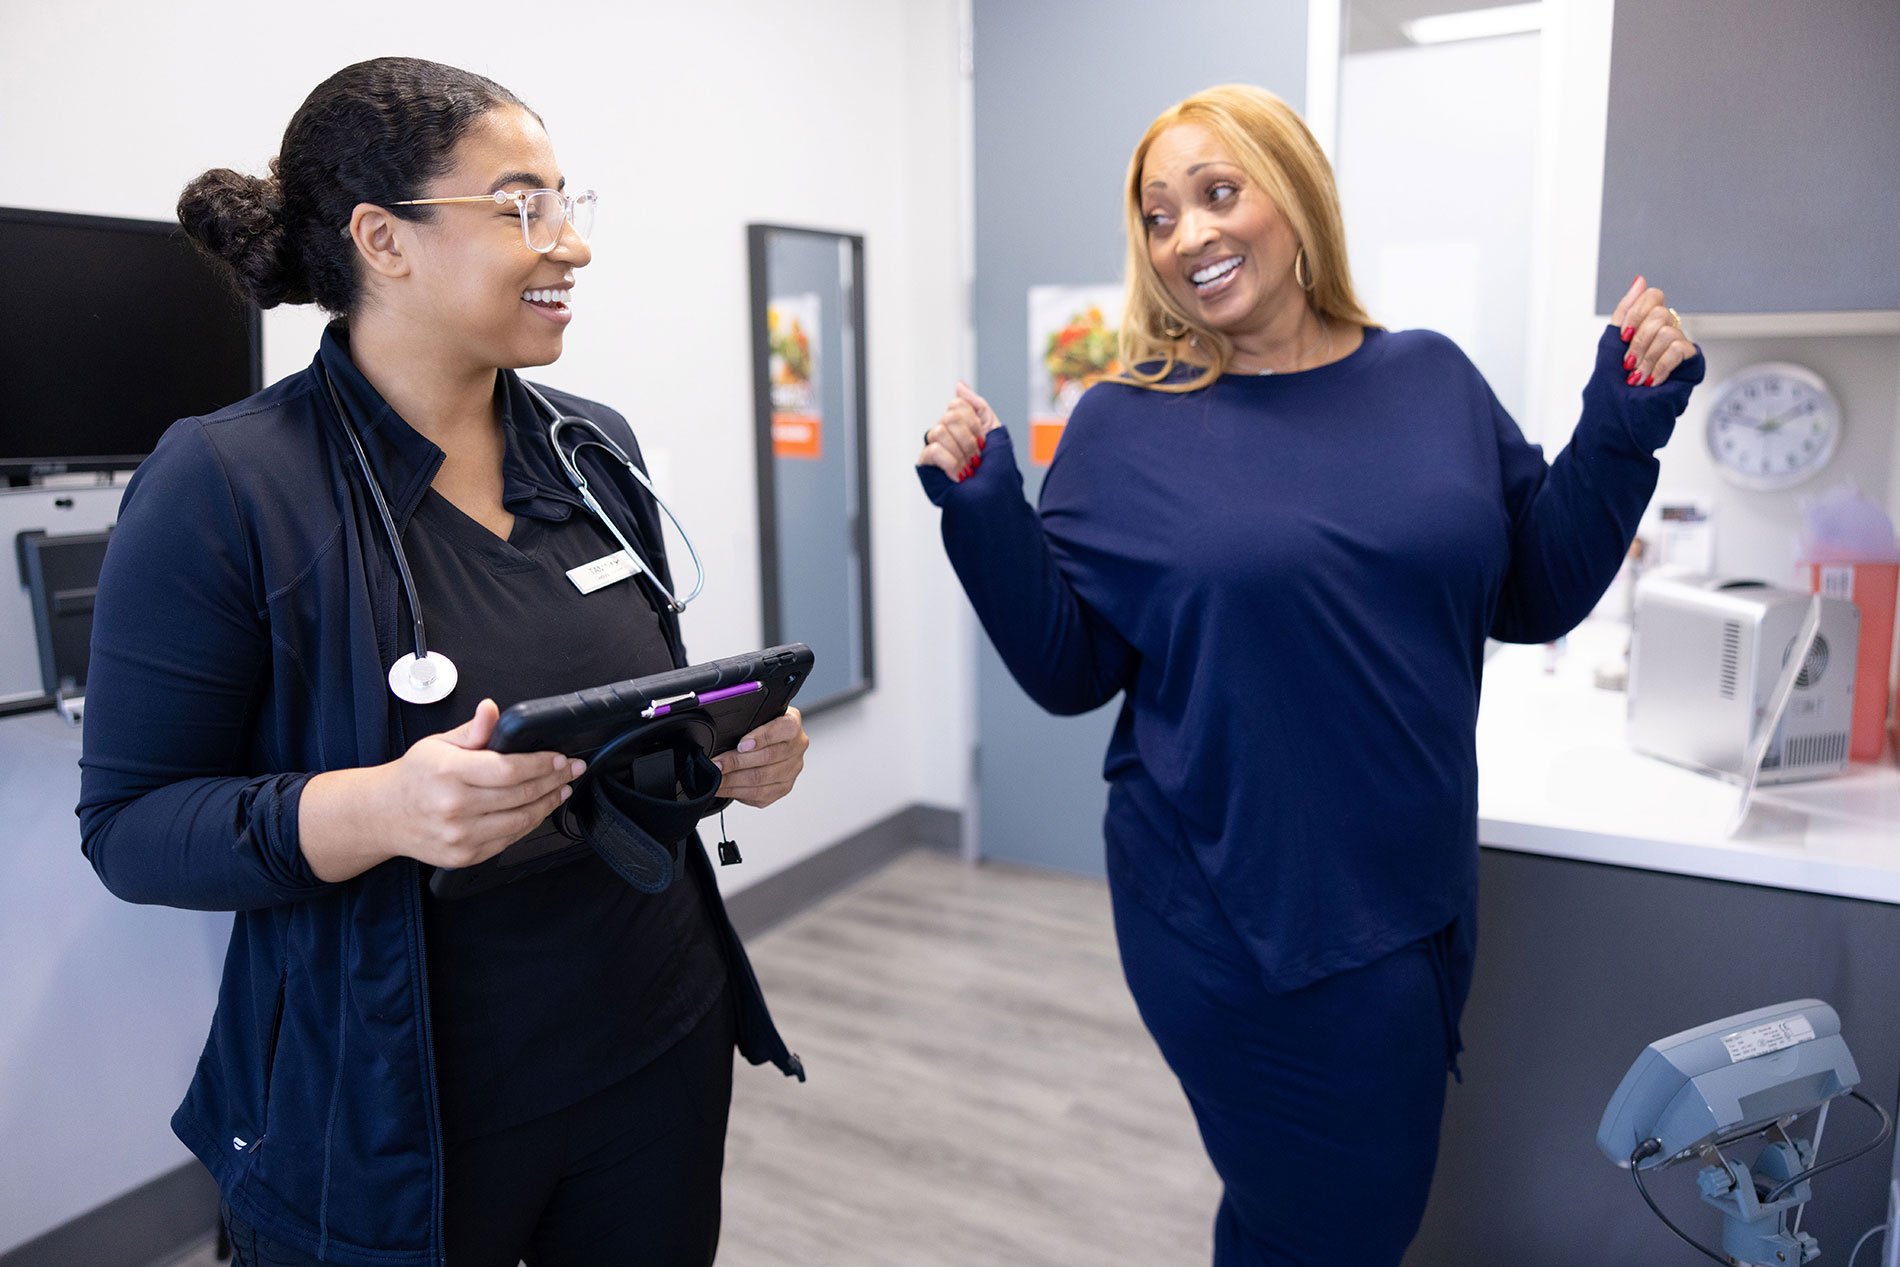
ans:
(809, 881)
(177, 1209)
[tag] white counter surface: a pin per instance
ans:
(1556, 777)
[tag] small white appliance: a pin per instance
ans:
(1705, 655)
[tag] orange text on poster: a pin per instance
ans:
(797, 436)
(1044, 435)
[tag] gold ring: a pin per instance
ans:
(1676, 317)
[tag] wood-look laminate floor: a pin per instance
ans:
(981, 1091)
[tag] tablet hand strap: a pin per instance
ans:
(639, 834)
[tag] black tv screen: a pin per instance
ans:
(118, 328)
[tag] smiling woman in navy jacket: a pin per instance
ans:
(541, 1070)
(1283, 538)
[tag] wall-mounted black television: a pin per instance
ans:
(117, 328)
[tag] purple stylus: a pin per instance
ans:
(710, 697)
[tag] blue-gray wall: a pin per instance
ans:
(1062, 94)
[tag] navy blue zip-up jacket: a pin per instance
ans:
(247, 613)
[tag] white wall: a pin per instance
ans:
(691, 120)
(1436, 169)
(1756, 531)
(103, 1006)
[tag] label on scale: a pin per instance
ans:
(1762, 1039)
(602, 572)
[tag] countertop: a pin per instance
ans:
(1555, 777)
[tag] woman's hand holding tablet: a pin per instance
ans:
(764, 764)
(735, 711)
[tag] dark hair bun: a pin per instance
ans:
(376, 132)
(237, 220)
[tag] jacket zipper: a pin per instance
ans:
(270, 1055)
(386, 616)
(427, 1022)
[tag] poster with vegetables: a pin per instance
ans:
(791, 327)
(1072, 344)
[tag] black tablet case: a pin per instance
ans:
(648, 781)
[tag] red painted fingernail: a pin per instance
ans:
(1650, 381)
(977, 464)
(981, 441)
(1627, 332)
(1631, 380)
(1629, 362)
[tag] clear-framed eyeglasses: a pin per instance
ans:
(544, 212)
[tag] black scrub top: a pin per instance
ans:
(551, 988)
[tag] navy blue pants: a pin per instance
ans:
(629, 1176)
(1319, 1107)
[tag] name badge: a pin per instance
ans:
(602, 572)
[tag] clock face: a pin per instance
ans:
(1772, 425)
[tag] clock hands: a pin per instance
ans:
(1762, 425)
(1772, 425)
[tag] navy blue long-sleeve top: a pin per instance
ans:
(1292, 577)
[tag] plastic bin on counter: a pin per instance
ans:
(1872, 586)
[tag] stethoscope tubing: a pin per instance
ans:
(570, 465)
(389, 520)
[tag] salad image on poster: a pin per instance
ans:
(1074, 342)
(791, 327)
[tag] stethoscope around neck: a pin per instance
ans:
(427, 677)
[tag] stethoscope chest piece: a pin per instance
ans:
(425, 681)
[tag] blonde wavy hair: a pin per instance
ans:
(1272, 146)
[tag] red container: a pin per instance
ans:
(1872, 587)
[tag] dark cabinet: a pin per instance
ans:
(1579, 967)
(1753, 154)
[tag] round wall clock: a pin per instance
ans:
(1772, 425)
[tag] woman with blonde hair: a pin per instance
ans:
(1283, 537)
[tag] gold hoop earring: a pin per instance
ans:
(1301, 263)
(1173, 330)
